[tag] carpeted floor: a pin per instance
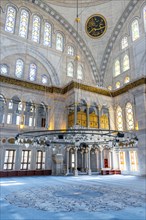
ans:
(114, 197)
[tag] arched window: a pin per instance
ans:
(70, 51)
(70, 69)
(2, 109)
(59, 42)
(119, 119)
(20, 106)
(118, 85)
(47, 34)
(10, 19)
(109, 87)
(44, 79)
(124, 42)
(3, 69)
(19, 68)
(117, 68)
(36, 29)
(126, 65)
(80, 72)
(32, 72)
(144, 17)
(127, 79)
(135, 30)
(129, 116)
(10, 104)
(23, 28)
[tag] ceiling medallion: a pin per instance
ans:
(96, 26)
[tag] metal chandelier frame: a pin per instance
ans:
(78, 137)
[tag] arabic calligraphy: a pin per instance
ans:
(96, 26)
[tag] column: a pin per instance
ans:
(82, 155)
(86, 160)
(97, 159)
(89, 162)
(101, 157)
(88, 120)
(127, 158)
(76, 161)
(67, 161)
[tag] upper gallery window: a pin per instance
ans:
(59, 42)
(32, 72)
(144, 17)
(124, 42)
(129, 116)
(127, 79)
(117, 68)
(10, 20)
(36, 29)
(80, 72)
(126, 65)
(3, 69)
(44, 79)
(70, 69)
(118, 85)
(47, 34)
(20, 106)
(135, 30)
(70, 51)
(119, 119)
(10, 104)
(23, 28)
(19, 68)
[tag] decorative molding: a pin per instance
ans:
(71, 86)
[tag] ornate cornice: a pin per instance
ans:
(71, 30)
(72, 85)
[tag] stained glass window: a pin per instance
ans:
(23, 28)
(32, 72)
(3, 69)
(70, 51)
(80, 72)
(10, 20)
(129, 116)
(133, 160)
(19, 68)
(118, 85)
(109, 87)
(59, 42)
(144, 17)
(127, 79)
(47, 34)
(122, 161)
(124, 42)
(135, 30)
(36, 29)
(126, 65)
(70, 69)
(44, 79)
(119, 117)
(117, 68)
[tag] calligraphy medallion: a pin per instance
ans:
(96, 26)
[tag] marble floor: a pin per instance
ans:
(111, 197)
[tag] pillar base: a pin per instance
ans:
(89, 172)
(75, 172)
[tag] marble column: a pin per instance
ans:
(67, 161)
(89, 162)
(86, 160)
(101, 157)
(82, 155)
(76, 161)
(127, 158)
(97, 159)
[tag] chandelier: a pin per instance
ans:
(78, 137)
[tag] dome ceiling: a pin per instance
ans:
(73, 3)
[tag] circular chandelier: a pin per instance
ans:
(78, 137)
